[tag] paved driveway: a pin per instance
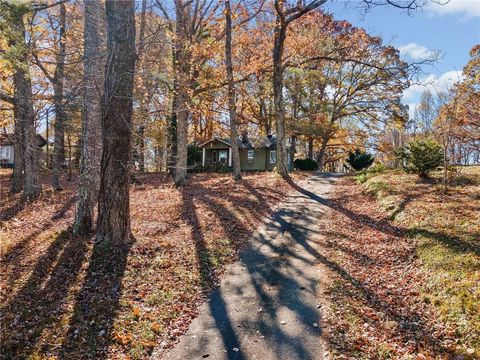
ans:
(267, 305)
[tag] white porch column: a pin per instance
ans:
(203, 157)
(230, 157)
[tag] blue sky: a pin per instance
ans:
(452, 29)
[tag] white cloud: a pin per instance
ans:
(415, 51)
(411, 110)
(433, 83)
(467, 8)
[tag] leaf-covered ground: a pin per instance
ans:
(63, 297)
(403, 260)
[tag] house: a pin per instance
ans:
(7, 149)
(255, 154)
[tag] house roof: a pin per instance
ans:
(268, 142)
(8, 139)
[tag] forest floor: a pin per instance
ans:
(399, 261)
(64, 298)
(404, 267)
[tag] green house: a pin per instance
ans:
(255, 154)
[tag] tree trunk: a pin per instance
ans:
(279, 43)
(172, 137)
(113, 224)
(141, 148)
(25, 117)
(182, 71)
(58, 79)
(18, 154)
(231, 93)
(143, 110)
(293, 149)
(310, 147)
(321, 154)
(89, 179)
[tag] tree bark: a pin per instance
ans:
(89, 179)
(172, 136)
(25, 117)
(113, 224)
(18, 154)
(182, 71)
(143, 111)
(141, 148)
(58, 79)
(293, 148)
(310, 147)
(279, 43)
(231, 93)
(321, 154)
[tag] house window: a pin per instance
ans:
(273, 156)
(222, 156)
(214, 156)
(250, 155)
(5, 152)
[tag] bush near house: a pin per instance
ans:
(360, 160)
(305, 164)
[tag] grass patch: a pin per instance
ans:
(446, 228)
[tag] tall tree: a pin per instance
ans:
(113, 224)
(232, 108)
(26, 150)
(89, 180)
(57, 81)
(183, 96)
(284, 17)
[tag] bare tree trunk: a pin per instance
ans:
(293, 149)
(321, 154)
(172, 136)
(141, 148)
(310, 147)
(279, 43)
(89, 179)
(231, 93)
(182, 70)
(58, 79)
(19, 158)
(113, 224)
(25, 116)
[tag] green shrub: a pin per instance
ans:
(362, 177)
(421, 156)
(305, 164)
(378, 168)
(376, 187)
(360, 160)
(194, 155)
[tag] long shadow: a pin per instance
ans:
(39, 303)
(10, 212)
(265, 272)
(453, 242)
(365, 259)
(90, 328)
(411, 323)
(17, 250)
(207, 275)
